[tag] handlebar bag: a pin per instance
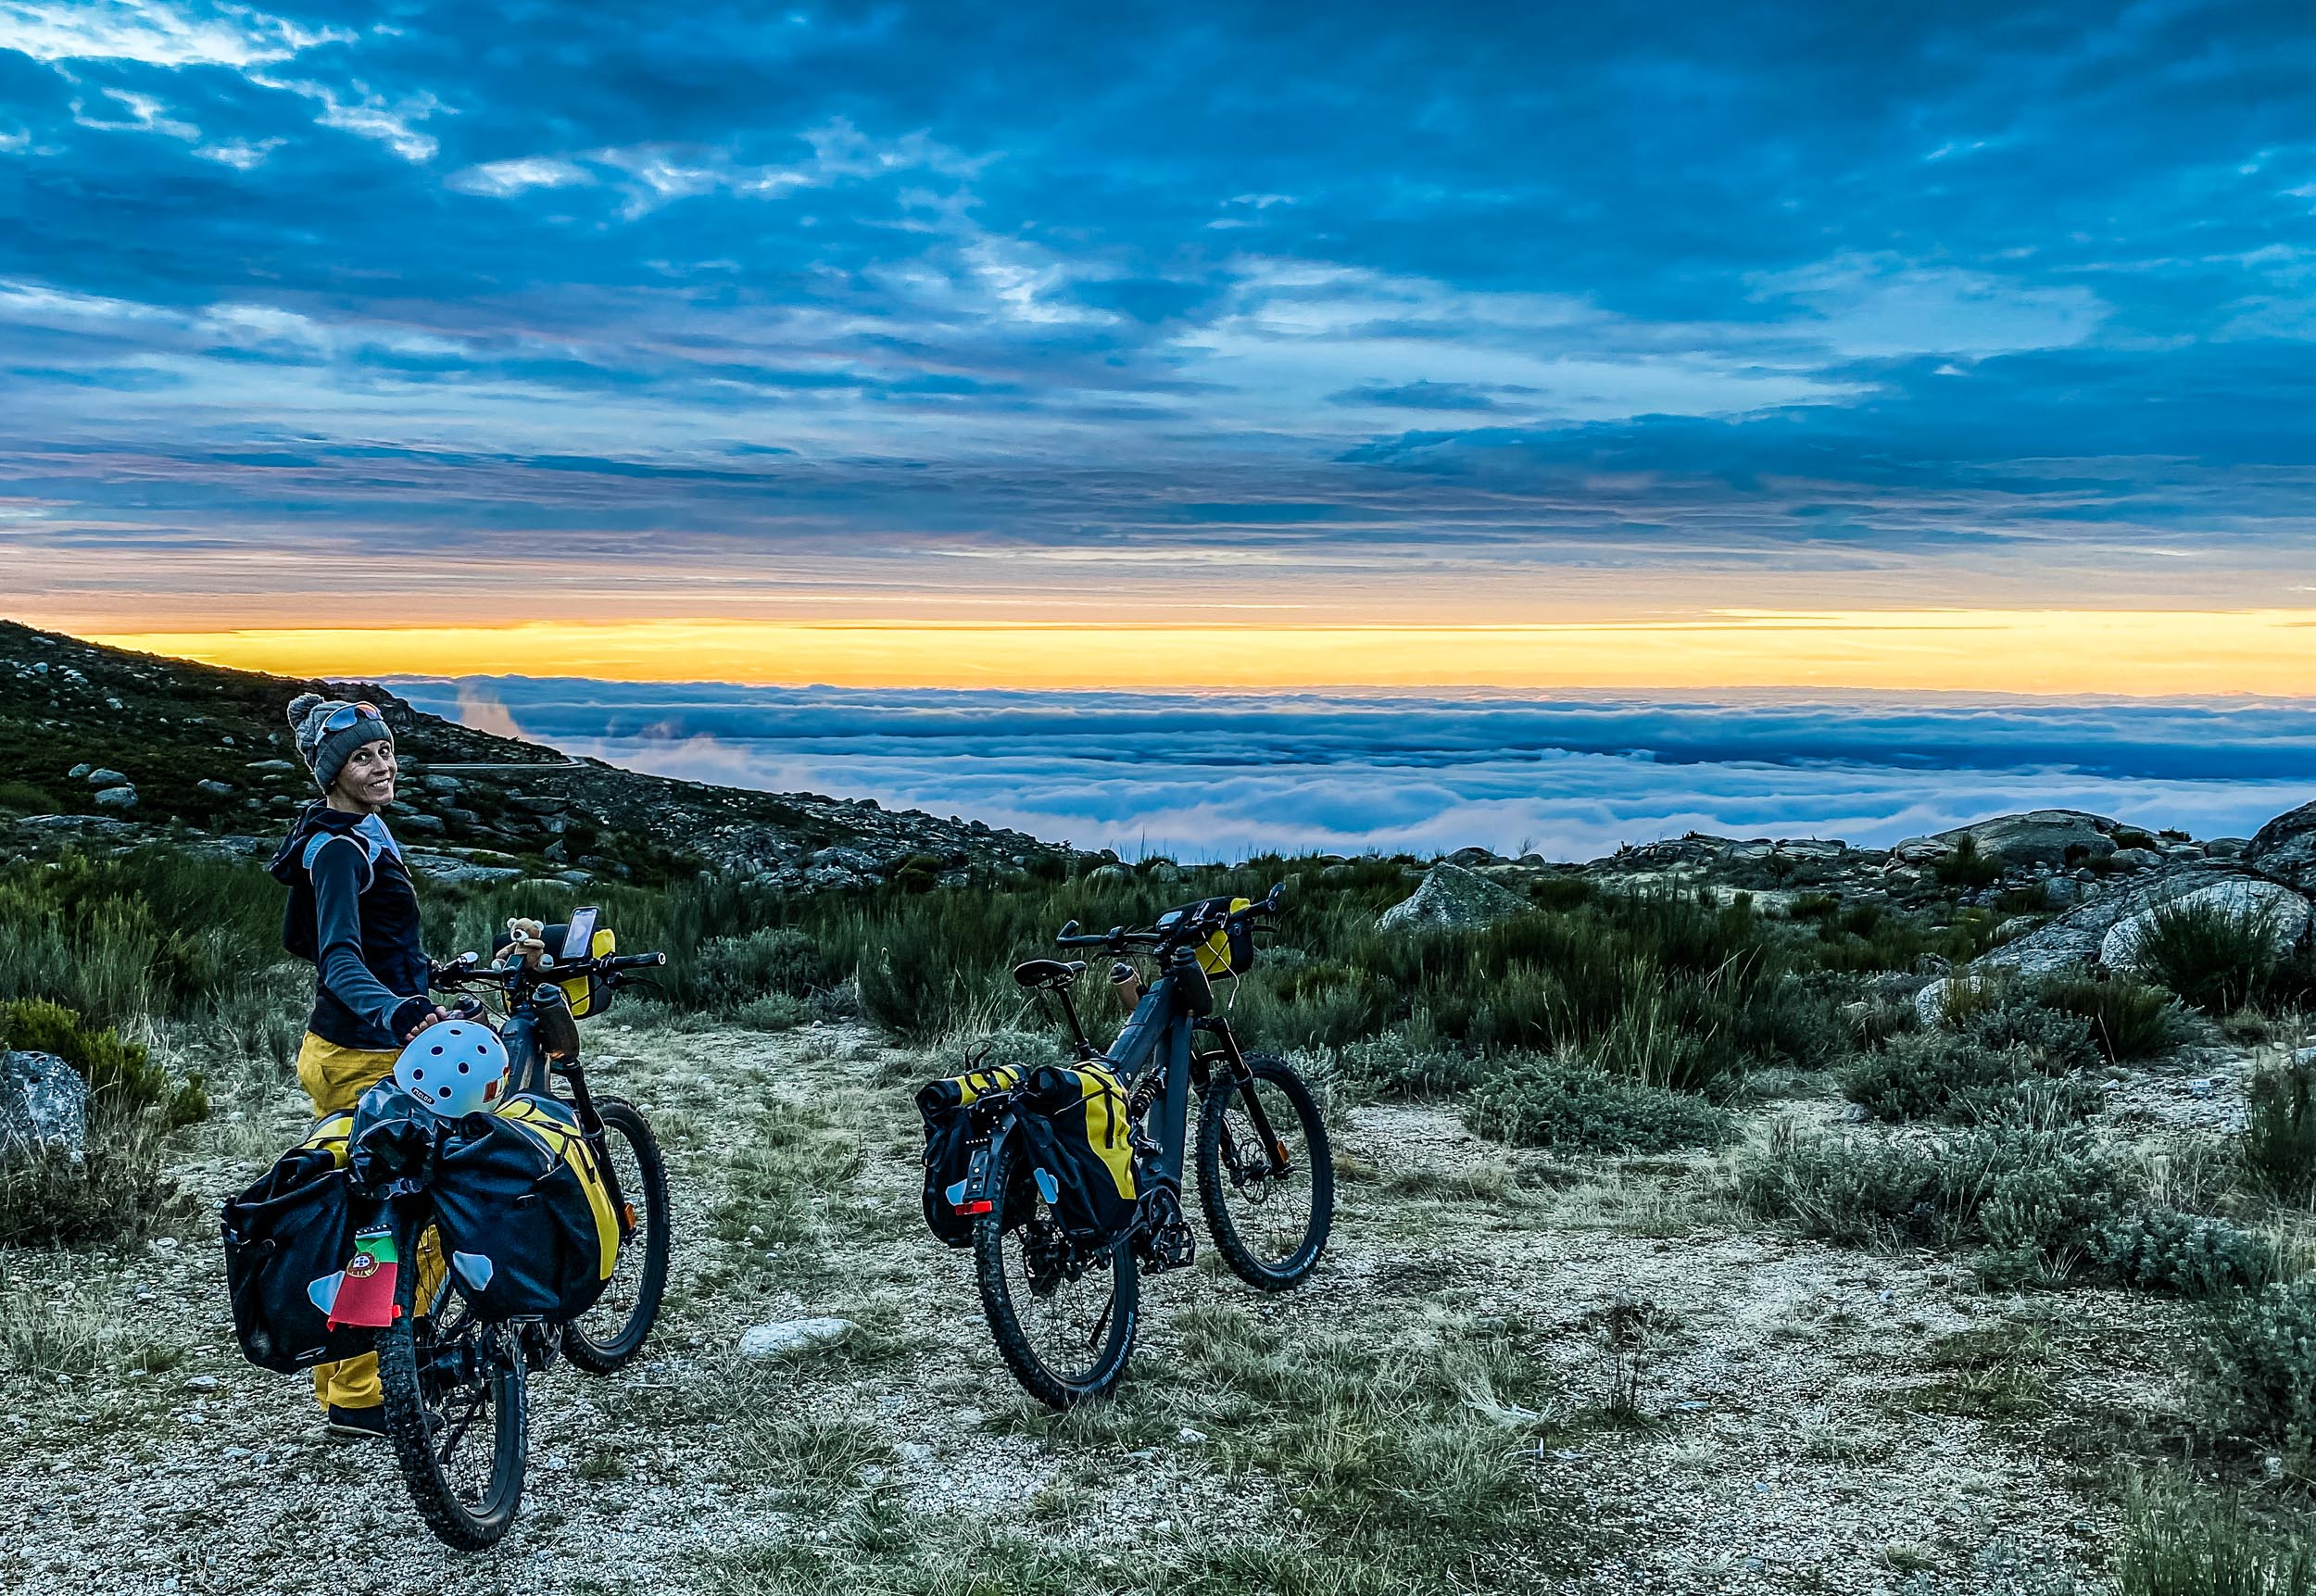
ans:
(291, 1229)
(587, 994)
(950, 1141)
(1080, 1154)
(526, 1219)
(1230, 951)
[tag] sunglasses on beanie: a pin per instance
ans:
(352, 715)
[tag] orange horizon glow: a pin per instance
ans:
(2126, 653)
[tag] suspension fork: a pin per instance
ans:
(1242, 1079)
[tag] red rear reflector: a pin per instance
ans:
(984, 1206)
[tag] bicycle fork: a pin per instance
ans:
(1278, 1161)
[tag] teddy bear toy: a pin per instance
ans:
(525, 946)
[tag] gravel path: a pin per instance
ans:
(1804, 1421)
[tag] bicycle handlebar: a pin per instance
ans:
(468, 969)
(1117, 940)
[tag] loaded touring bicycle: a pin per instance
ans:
(1066, 1183)
(468, 1251)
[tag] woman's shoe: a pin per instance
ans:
(367, 1423)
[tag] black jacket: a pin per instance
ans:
(353, 913)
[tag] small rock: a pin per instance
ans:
(1191, 1437)
(201, 1383)
(44, 1102)
(214, 787)
(103, 777)
(117, 797)
(77, 772)
(789, 1336)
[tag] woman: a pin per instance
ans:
(353, 911)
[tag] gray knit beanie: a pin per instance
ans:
(326, 752)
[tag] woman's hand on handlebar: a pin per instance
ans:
(434, 1015)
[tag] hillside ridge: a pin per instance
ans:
(104, 743)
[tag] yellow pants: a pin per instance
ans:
(335, 1078)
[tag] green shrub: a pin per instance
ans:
(2009, 1058)
(2279, 1145)
(119, 1190)
(2185, 1254)
(727, 971)
(1392, 1065)
(2217, 959)
(2190, 1545)
(1965, 867)
(2029, 1196)
(773, 1011)
(1856, 1190)
(147, 934)
(1022, 1051)
(2057, 1041)
(2128, 1019)
(116, 1194)
(1934, 1075)
(2258, 1369)
(1565, 1103)
(123, 1078)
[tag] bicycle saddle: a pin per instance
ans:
(1049, 975)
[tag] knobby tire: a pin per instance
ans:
(1214, 1186)
(992, 1240)
(591, 1340)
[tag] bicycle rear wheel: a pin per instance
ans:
(1064, 1323)
(458, 1414)
(1268, 1208)
(606, 1336)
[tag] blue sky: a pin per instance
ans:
(407, 312)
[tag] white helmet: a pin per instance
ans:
(454, 1067)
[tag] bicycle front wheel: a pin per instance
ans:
(1064, 1322)
(1269, 1197)
(606, 1336)
(458, 1414)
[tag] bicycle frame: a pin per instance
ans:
(1157, 1035)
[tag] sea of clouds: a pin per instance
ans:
(1221, 776)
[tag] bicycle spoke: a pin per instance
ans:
(1072, 1317)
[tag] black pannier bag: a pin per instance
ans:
(1081, 1157)
(289, 1231)
(950, 1143)
(526, 1222)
